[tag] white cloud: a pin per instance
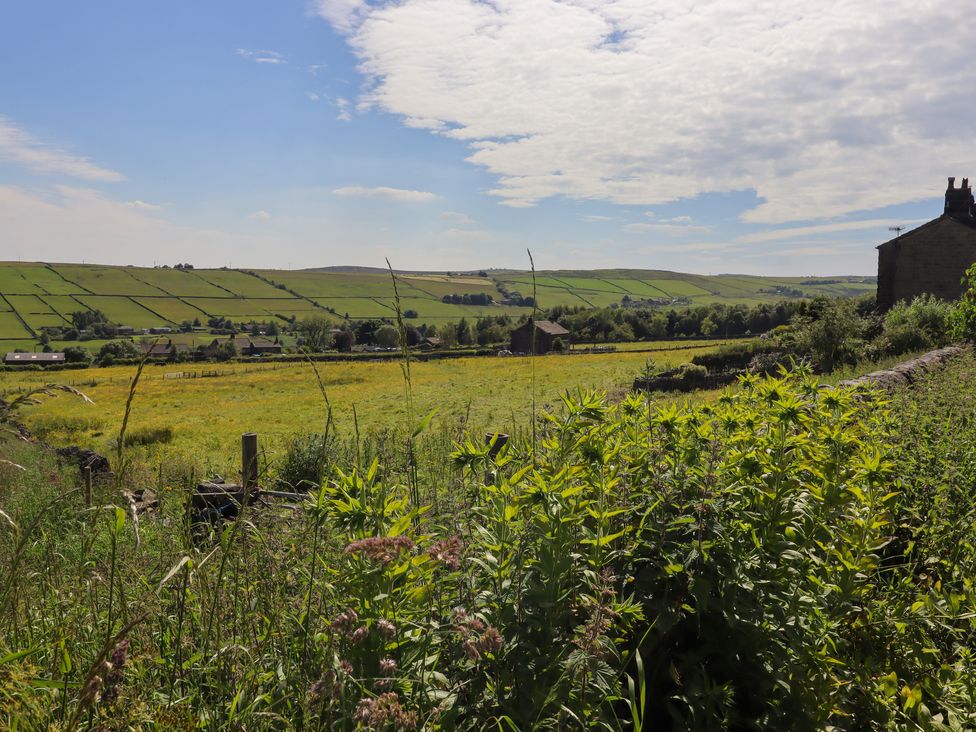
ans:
(596, 219)
(665, 229)
(143, 205)
(344, 15)
(402, 195)
(261, 57)
(67, 224)
(21, 148)
(821, 108)
(457, 218)
(343, 104)
(798, 231)
(261, 215)
(311, 96)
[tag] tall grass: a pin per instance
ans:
(763, 561)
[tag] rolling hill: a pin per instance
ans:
(38, 295)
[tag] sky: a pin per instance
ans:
(777, 137)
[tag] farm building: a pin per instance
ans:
(933, 258)
(430, 343)
(248, 345)
(546, 334)
(14, 359)
(161, 350)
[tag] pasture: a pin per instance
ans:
(207, 415)
(35, 296)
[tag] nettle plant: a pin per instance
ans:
(695, 566)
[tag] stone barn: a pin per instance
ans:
(546, 332)
(933, 258)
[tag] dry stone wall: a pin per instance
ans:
(907, 372)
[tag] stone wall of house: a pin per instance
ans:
(930, 260)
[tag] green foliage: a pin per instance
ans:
(923, 323)
(964, 316)
(116, 351)
(691, 373)
(791, 556)
(830, 334)
(305, 462)
(316, 333)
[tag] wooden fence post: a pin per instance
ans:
(249, 461)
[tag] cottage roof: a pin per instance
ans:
(553, 329)
(53, 357)
(155, 349)
(960, 207)
(962, 221)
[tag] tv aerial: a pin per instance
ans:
(897, 230)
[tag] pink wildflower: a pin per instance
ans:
(380, 549)
(384, 711)
(447, 552)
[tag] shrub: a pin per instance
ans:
(926, 314)
(691, 373)
(963, 318)
(830, 335)
(305, 462)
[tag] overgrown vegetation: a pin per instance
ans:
(788, 557)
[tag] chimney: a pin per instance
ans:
(959, 202)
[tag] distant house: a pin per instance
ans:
(545, 334)
(14, 359)
(158, 350)
(124, 330)
(430, 343)
(258, 346)
(247, 345)
(933, 258)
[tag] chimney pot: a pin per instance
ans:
(965, 183)
(952, 182)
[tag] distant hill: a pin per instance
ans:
(38, 295)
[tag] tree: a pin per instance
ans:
(411, 314)
(345, 340)
(84, 319)
(463, 333)
(116, 350)
(316, 333)
(77, 354)
(387, 336)
(707, 326)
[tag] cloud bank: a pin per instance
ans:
(822, 109)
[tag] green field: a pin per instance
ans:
(43, 295)
(281, 399)
(11, 327)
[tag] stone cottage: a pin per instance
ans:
(934, 257)
(546, 333)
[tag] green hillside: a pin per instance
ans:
(35, 296)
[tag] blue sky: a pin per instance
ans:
(454, 134)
